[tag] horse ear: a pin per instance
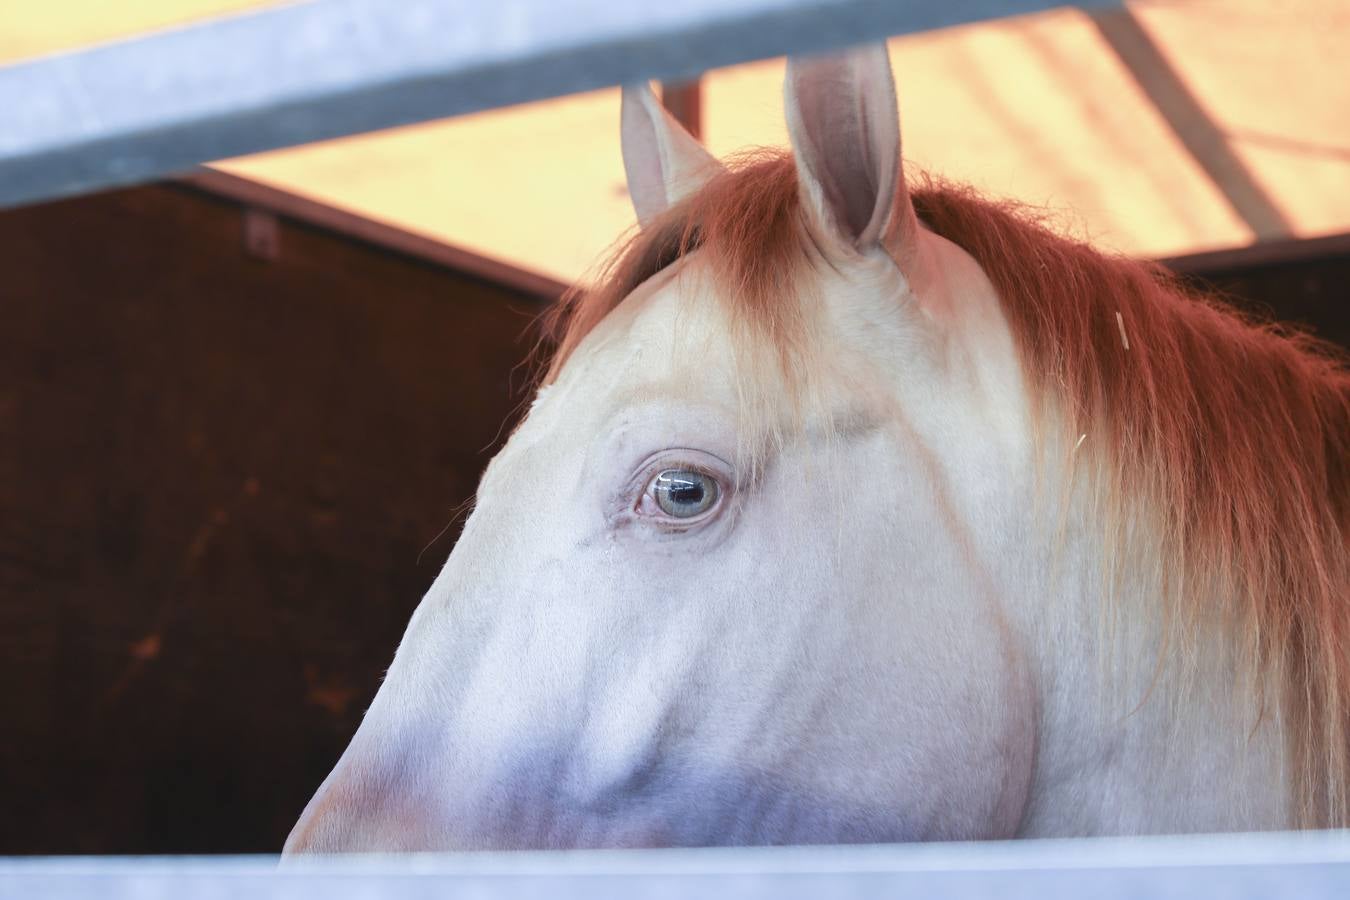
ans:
(663, 162)
(845, 133)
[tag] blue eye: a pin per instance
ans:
(684, 493)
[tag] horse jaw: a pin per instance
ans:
(1132, 737)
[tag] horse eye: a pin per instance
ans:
(684, 493)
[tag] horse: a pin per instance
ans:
(856, 507)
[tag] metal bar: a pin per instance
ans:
(309, 71)
(684, 99)
(1311, 866)
(1205, 142)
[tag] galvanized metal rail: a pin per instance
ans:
(149, 107)
(1311, 866)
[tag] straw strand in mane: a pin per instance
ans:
(1232, 439)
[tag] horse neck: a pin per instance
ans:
(1136, 736)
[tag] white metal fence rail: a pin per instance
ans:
(319, 69)
(1310, 866)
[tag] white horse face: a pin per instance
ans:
(641, 638)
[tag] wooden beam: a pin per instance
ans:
(684, 99)
(1274, 253)
(256, 195)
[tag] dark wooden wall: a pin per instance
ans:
(1305, 283)
(218, 473)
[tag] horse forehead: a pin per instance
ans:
(674, 337)
(677, 333)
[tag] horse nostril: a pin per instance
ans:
(304, 835)
(298, 841)
(325, 824)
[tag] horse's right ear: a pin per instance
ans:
(664, 163)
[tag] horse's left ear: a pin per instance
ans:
(845, 132)
(663, 162)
